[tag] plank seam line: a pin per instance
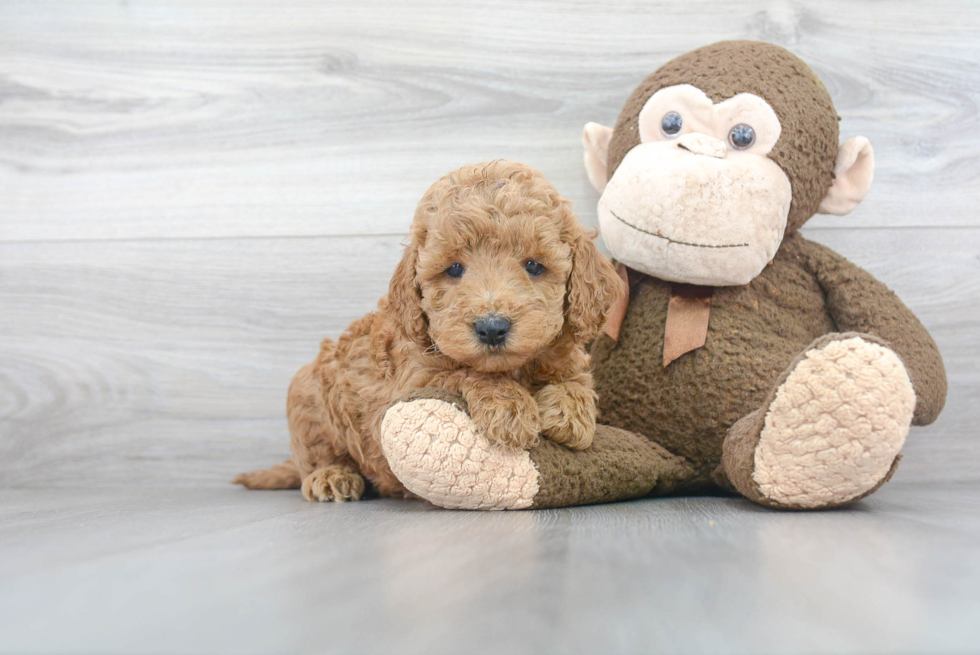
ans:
(388, 235)
(244, 237)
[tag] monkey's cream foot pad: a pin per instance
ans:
(835, 426)
(434, 450)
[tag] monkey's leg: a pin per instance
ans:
(830, 431)
(433, 449)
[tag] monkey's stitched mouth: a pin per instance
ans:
(680, 243)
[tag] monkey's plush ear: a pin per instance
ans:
(596, 140)
(853, 173)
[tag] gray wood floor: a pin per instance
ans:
(227, 570)
(193, 194)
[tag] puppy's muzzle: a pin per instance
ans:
(492, 330)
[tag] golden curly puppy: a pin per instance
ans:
(497, 294)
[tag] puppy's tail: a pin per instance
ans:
(280, 476)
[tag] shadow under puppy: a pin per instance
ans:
(496, 296)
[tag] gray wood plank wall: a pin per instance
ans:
(192, 194)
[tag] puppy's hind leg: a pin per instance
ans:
(322, 460)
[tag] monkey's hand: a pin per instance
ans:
(568, 413)
(504, 412)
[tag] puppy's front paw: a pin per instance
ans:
(568, 414)
(509, 420)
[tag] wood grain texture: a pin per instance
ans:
(233, 571)
(167, 362)
(193, 194)
(193, 119)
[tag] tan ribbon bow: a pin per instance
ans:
(687, 317)
(687, 320)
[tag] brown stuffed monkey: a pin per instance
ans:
(745, 358)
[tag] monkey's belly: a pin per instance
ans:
(754, 333)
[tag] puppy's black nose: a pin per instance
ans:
(492, 330)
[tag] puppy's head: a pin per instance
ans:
(498, 268)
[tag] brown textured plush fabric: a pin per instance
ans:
(860, 303)
(738, 458)
(619, 465)
(735, 474)
(755, 332)
(807, 148)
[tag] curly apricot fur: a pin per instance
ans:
(491, 218)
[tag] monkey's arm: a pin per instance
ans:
(860, 303)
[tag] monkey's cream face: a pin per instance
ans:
(698, 201)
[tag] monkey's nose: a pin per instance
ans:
(702, 144)
(492, 330)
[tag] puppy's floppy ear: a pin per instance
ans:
(593, 287)
(405, 296)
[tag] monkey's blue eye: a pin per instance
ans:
(742, 136)
(533, 268)
(671, 123)
(456, 270)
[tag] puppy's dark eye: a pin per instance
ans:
(533, 268)
(456, 270)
